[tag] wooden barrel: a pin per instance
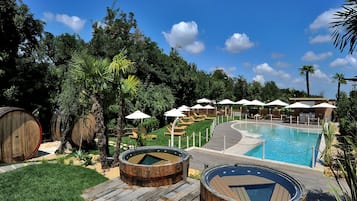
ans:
(168, 173)
(83, 130)
(20, 134)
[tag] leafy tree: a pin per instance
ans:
(255, 91)
(340, 78)
(18, 40)
(154, 99)
(240, 88)
(306, 70)
(92, 76)
(113, 34)
(126, 86)
(270, 91)
(345, 26)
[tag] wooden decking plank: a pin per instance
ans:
(101, 189)
(158, 192)
(118, 190)
(134, 195)
(184, 191)
(193, 196)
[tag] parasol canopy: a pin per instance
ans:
(298, 105)
(226, 102)
(255, 103)
(324, 105)
(137, 115)
(204, 100)
(242, 102)
(277, 102)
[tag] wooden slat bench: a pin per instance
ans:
(244, 180)
(219, 185)
(242, 193)
(280, 194)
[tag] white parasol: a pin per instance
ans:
(324, 105)
(298, 105)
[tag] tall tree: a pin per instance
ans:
(92, 75)
(345, 26)
(340, 78)
(19, 33)
(306, 70)
(126, 85)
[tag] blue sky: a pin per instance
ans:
(262, 41)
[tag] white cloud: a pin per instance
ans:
(73, 22)
(259, 78)
(320, 39)
(311, 56)
(48, 16)
(183, 35)
(238, 42)
(266, 70)
(349, 60)
(323, 20)
(282, 64)
(320, 75)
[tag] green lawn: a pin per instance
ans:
(162, 140)
(47, 182)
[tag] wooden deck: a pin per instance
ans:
(116, 189)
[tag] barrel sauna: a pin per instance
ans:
(83, 130)
(20, 134)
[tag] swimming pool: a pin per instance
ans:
(285, 144)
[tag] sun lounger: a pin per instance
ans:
(178, 133)
(186, 123)
(179, 127)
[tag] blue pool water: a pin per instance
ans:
(283, 144)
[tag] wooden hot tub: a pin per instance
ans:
(153, 166)
(249, 182)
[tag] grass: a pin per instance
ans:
(47, 182)
(163, 140)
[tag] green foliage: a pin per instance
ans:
(345, 30)
(83, 156)
(150, 124)
(347, 165)
(329, 135)
(47, 182)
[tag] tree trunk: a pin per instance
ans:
(307, 84)
(119, 132)
(66, 131)
(338, 91)
(99, 130)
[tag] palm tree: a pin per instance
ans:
(126, 86)
(92, 76)
(345, 26)
(340, 77)
(306, 70)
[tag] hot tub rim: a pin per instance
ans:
(185, 156)
(299, 187)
